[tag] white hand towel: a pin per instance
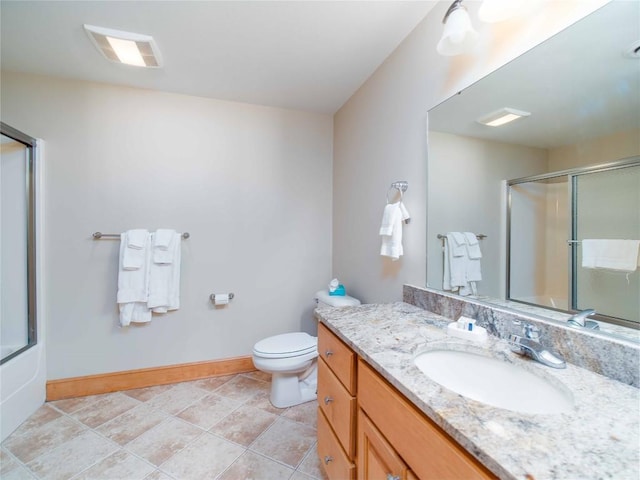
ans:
(164, 281)
(135, 249)
(610, 254)
(132, 286)
(458, 244)
(473, 246)
(391, 230)
(163, 247)
(455, 266)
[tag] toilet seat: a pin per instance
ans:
(286, 345)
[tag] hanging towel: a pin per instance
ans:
(461, 267)
(134, 252)
(473, 246)
(163, 248)
(619, 255)
(132, 285)
(164, 280)
(391, 230)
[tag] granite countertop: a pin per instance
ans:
(599, 438)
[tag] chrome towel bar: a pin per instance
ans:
(99, 235)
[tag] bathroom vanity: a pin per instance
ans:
(381, 417)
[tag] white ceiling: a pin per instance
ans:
(306, 55)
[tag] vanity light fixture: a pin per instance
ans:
(125, 47)
(458, 35)
(502, 116)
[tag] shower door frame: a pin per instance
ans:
(30, 144)
(572, 176)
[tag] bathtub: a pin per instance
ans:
(22, 389)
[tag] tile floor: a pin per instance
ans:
(217, 428)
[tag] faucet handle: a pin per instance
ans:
(531, 331)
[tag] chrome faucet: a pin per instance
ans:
(529, 344)
(580, 320)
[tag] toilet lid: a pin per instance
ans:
(286, 345)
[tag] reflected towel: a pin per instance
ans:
(135, 249)
(164, 280)
(610, 254)
(473, 246)
(163, 246)
(132, 286)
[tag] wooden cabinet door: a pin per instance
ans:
(377, 460)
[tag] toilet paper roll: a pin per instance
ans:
(221, 299)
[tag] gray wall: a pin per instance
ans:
(251, 184)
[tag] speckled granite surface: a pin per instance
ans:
(599, 438)
(612, 356)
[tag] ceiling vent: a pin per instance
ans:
(125, 47)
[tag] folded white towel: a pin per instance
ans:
(132, 286)
(454, 266)
(163, 247)
(135, 252)
(458, 244)
(391, 230)
(473, 246)
(610, 254)
(164, 280)
(461, 272)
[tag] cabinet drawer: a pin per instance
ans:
(425, 447)
(338, 356)
(376, 458)
(338, 406)
(335, 462)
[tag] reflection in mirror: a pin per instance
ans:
(582, 89)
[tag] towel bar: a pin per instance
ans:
(479, 236)
(99, 235)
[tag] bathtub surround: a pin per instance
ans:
(251, 184)
(614, 358)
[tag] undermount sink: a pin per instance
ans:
(494, 382)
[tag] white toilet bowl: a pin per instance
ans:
(291, 359)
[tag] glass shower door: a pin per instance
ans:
(606, 206)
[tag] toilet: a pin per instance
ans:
(291, 359)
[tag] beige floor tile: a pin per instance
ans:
(306, 413)
(198, 460)
(213, 383)
(261, 400)
(29, 444)
(244, 425)
(18, 473)
(161, 442)
(258, 375)
(242, 388)
(131, 424)
(40, 417)
(7, 463)
(298, 475)
(251, 466)
(311, 465)
(177, 398)
(147, 393)
(120, 465)
(158, 475)
(286, 441)
(104, 409)
(209, 410)
(70, 405)
(73, 456)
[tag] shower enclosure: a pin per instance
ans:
(548, 217)
(22, 366)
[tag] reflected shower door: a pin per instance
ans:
(606, 206)
(538, 231)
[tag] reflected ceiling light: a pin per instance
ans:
(458, 35)
(125, 47)
(492, 11)
(502, 116)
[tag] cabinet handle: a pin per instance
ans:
(328, 353)
(391, 476)
(328, 459)
(327, 400)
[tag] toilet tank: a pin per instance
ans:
(323, 298)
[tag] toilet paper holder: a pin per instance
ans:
(212, 297)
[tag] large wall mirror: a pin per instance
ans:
(582, 90)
